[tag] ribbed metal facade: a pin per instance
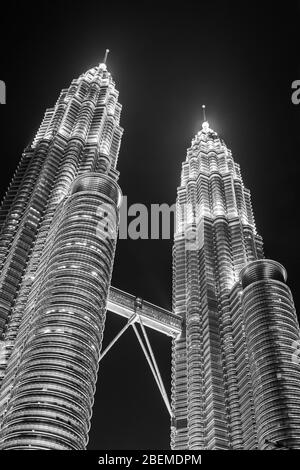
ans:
(272, 338)
(56, 263)
(216, 400)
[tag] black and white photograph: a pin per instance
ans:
(149, 231)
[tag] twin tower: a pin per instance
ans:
(236, 358)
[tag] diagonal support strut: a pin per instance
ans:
(160, 387)
(148, 354)
(163, 390)
(131, 320)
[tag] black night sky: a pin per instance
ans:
(166, 59)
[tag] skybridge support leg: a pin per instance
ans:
(148, 354)
(155, 364)
(131, 320)
(157, 380)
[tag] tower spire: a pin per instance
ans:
(102, 65)
(105, 56)
(204, 113)
(205, 125)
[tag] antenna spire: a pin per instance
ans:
(204, 113)
(105, 56)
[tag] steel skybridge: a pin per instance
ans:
(139, 311)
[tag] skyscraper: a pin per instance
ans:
(236, 367)
(236, 339)
(56, 263)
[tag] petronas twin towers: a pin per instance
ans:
(236, 338)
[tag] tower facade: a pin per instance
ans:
(56, 262)
(235, 368)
